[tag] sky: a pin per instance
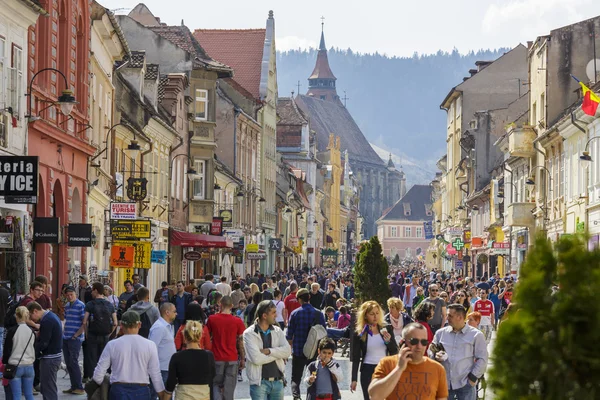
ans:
(392, 27)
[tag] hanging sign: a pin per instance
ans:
(428, 229)
(19, 179)
(500, 248)
(192, 256)
(123, 210)
(121, 256)
(227, 216)
(125, 274)
(454, 231)
(256, 256)
(142, 253)
(275, 244)
(130, 229)
(458, 244)
(80, 235)
(159, 256)
(252, 248)
(45, 230)
(6, 240)
(216, 228)
(136, 188)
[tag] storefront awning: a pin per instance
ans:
(188, 239)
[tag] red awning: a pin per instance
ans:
(188, 239)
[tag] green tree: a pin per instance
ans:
(371, 274)
(548, 348)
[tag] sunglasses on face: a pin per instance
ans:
(415, 341)
(433, 290)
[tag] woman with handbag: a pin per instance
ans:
(19, 355)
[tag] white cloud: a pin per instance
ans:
(532, 18)
(294, 43)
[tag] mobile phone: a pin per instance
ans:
(401, 347)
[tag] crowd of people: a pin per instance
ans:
(196, 338)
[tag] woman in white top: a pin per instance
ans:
(112, 299)
(371, 341)
(19, 350)
(280, 306)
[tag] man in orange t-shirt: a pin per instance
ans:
(409, 374)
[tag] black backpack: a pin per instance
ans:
(10, 319)
(146, 325)
(101, 322)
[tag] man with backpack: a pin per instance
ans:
(148, 313)
(300, 325)
(161, 333)
(100, 320)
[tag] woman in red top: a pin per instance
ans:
(423, 313)
(194, 312)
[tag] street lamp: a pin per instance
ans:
(585, 155)
(531, 181)
(65, 101)
(261, 199)
(105, 149)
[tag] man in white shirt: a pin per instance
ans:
(224, 288)
(161, 333)
(132, 358)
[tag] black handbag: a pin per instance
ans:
(11, 370)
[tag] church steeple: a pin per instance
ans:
(321, 83)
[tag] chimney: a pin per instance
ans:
(133, 71)
(151, 84)
(481, 65)
(473, 71)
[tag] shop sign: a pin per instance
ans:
(256, 256)
(233, 234)
(428, 229)
(121, 256)
(6, 240)
(476, 242)
(184, 270)
(216, 228)
(458, 264)
(192, 256)
(500, 249)
(80, 235)
(522, 240)
(450, 250)
(123, 210)
(159, 256)
(454, 231)
(206, 256)
(227, 216)
(137, 188)
(310, 250)
(240, 244)
(19, 179)
(252, 248)
(275, 244)
(125, 274)
(458, 244)
(130, 229)
(239, 259)
(45, 230)
(142, 253)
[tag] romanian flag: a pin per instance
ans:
(590, 99)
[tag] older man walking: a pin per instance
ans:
(163, 337)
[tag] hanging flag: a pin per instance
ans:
(590, 99)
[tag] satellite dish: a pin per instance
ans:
(589, 70)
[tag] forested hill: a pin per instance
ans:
(395, 101)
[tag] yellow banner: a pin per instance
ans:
(142, 254)
(125, 274)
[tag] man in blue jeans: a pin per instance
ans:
(72, 339)
(48, 348)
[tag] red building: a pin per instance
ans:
(60, 41)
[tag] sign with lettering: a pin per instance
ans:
(80, 235)
(275, 244)
(252, 248)
(130, 229)
(256, 256)
(125, 274)
(121, 256)
(227, 216)
(192, 256)
(159, 256)
(454, 231)
(19, 179)
(142, 253)
(216, 228)
(123, 210)
(45, 230)
(6, 240)
(136, 188)
(428, 229)
(500, 248)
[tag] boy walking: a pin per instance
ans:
(324, 373)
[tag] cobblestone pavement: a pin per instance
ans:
(242, 391)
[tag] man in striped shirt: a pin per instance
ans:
(72, 338)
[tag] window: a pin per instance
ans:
(394, 231)
(16, 80)
(561, 190)
(419, 232)
(201, 104)
(407, 232)
(200, 181)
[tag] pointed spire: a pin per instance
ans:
(390, 164)
(321, 83)
(322, 44)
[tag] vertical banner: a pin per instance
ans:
(125, 274)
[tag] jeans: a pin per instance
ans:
(124, 391)
(153, 394)
(298, 365)
(336, 334)
(466, 392)
(2, 331)
(22, 383)
(366, 375)
(48, 370)
(225, 380)
(71, 348)
(94, 346)
(267, 390)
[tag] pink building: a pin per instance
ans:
(401, 229)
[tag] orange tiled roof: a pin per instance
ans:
(241, 49)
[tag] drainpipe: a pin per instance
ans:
(236, 112)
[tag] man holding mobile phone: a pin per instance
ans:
(410, 372)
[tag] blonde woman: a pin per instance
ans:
(371, 341)
(397, 317)
(19, 351)
(191, 371)
(254, 288)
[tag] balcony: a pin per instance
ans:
(519, 214)
(520, 141)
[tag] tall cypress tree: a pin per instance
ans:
(548, 348)
(371, 274)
